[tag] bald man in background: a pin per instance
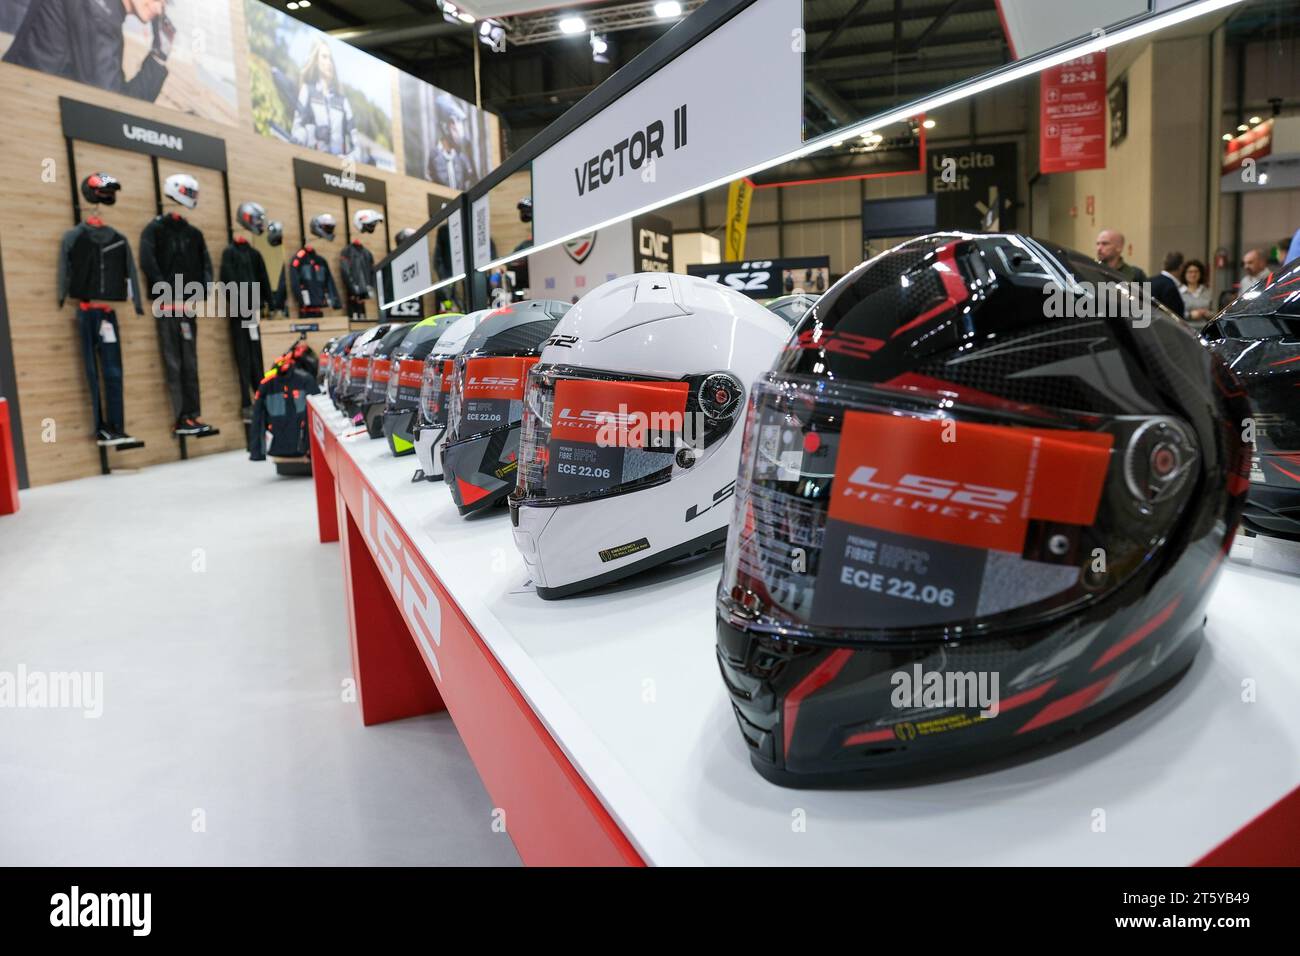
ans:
(1110, 252)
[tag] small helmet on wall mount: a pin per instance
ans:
(481, 455)
(275, 232)
(435, 394)
(100, 189)
(182, 188)
(525, 207)
(959, 476)
(252, 216)
(401, 405)
(365, 220)
(632, 428)
(323, 226)
(403, 235)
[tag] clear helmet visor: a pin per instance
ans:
(590, 434)
(863, 516)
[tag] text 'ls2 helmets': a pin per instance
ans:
(378, 373)
(402, 399)
(435, 394)
(1258, 335)
(481, 453)
(632, 428)
(100, 189)
(970, 514)
(182, 188)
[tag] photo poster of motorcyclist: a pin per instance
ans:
(175, 53)
(315, 91)
(444, 139)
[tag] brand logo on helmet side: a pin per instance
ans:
(934, 489)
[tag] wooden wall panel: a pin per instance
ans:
(34, 213)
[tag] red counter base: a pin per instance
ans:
(8, 463)
(414, 652)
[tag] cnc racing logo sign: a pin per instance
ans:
(979, 488)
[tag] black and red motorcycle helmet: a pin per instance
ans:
(959, 477)
(1258, 335)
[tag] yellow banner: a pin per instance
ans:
(739, 197)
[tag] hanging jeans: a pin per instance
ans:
(248, 359)
(176, 336)
(101, 348)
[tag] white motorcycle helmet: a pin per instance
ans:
(182, 188)
(632, 428)
(365, 220)
(435, 394)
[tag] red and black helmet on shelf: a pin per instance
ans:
(480, 458)
(971, 514)
(1258, 335)
(100, 189)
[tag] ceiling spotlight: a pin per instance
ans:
(450, 12)
(1263, 179)
(1255, 121)
(292, 4)
(928, 124)
(599, 48)
(667, 9)
(493, 34)
(464, 17)
(572, 25)
(1243, 128)
(304, 4)
(1227, 137)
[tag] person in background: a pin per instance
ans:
(322, 115)
(83, 41)
(1164, 287)
(1195, 293)
(1110, 252)
(1256, 266)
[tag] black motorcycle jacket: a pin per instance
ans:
(96, 264)
(82, 40)
(241, 263)
(357, 267)
(171, 246)
(280, 409)
(311, 280)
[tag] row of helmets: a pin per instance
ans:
(923, 469)
(101, 189)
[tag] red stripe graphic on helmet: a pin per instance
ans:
(1065, 706)
(626, 412)
(954, 287)
(1115, 650)
(497, 377)
(817, 678)
(979, 489)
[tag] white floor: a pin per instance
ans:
(201, 594)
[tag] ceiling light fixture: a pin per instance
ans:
(599, 48)
(573, 25)
(667, 9)
(928, 124)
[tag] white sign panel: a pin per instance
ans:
(481, 231)
(412, 272)
(733, 100)
(457, 243)
(571, 269)
(1033, 26)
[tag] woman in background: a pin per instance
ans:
(322, 116)
(1195, 293)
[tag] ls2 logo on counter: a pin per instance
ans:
(629, 154)
(418, 600)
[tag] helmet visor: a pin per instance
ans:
(487, 393)
(591, 434)
(863, 515)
